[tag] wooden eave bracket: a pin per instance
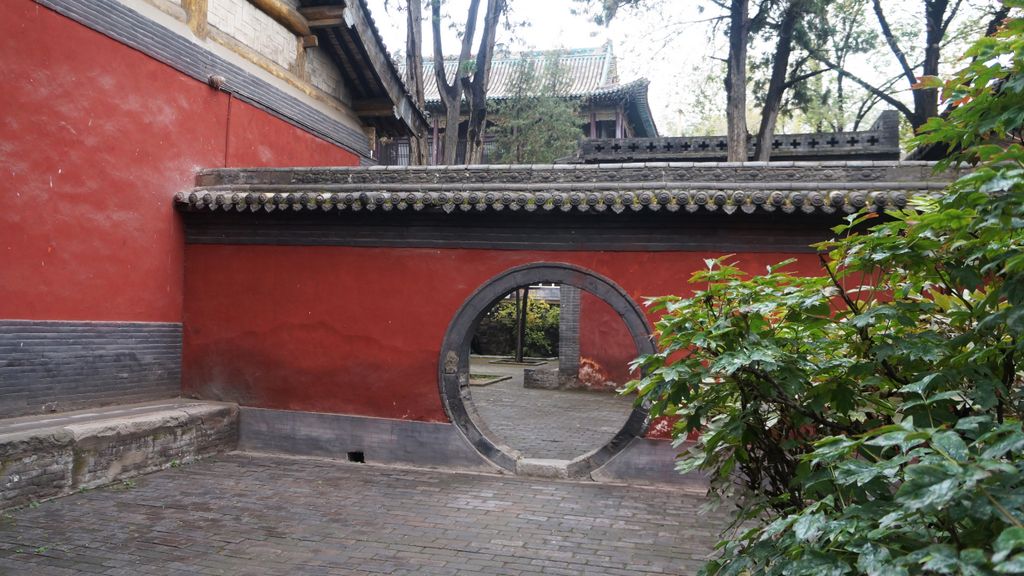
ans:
(396, 104)
(375, 107)
(323, 16)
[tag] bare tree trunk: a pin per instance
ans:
(777, 84)
(418, 150)
(926, 102)
(450, 138)
(451, 94)
(476, 89)
(736, 81)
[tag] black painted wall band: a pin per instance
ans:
(654, 232)
(48, 366)
(123, 24)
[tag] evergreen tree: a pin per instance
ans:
(538, 123)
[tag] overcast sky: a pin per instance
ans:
(638, 39)
(673, 49)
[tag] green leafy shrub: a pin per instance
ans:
(496, 334)
(868, 421)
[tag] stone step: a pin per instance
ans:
(47, 456)
(543, 468)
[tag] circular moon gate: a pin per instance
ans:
(453, 367)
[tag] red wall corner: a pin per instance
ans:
(95, 139)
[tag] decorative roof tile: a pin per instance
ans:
(789, 187)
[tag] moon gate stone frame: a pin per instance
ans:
(453, 367)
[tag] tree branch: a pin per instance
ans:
(835, 282)
(760, 17)
(805, 76)
(952, 14)
(864, 84)
(789, 403)
(435, 27)
(862, 331)
(890, 39)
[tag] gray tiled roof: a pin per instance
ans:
(590, 71)
(788, 187)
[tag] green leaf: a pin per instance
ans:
(924, 384)
(974, 423)
(927, 486)
(950, 444)
(1008, 541)
(874, 560)
(859, 472)
(1013, 442)
(1014, 565)
(941, 558)
(903, 438)
(809, 526)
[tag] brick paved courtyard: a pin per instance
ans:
(240, 514)
(559, 424)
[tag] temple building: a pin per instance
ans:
(608, 107)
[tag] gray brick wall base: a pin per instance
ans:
(55, 366)
(435, 445)
(359, 438)
(47, 458)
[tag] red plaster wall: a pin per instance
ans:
(359, 330)
(605, 341)
(95, 139)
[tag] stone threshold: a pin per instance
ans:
(53, 455)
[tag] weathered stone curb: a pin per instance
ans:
(48, 462)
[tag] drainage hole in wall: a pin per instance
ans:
(356, 457)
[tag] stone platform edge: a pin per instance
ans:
(49, 462)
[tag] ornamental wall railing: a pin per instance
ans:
(879, 142)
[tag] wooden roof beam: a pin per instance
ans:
(374, 107)
(323, 16)
(288, 17)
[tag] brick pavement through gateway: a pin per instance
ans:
(559, 424)
(243, 514)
